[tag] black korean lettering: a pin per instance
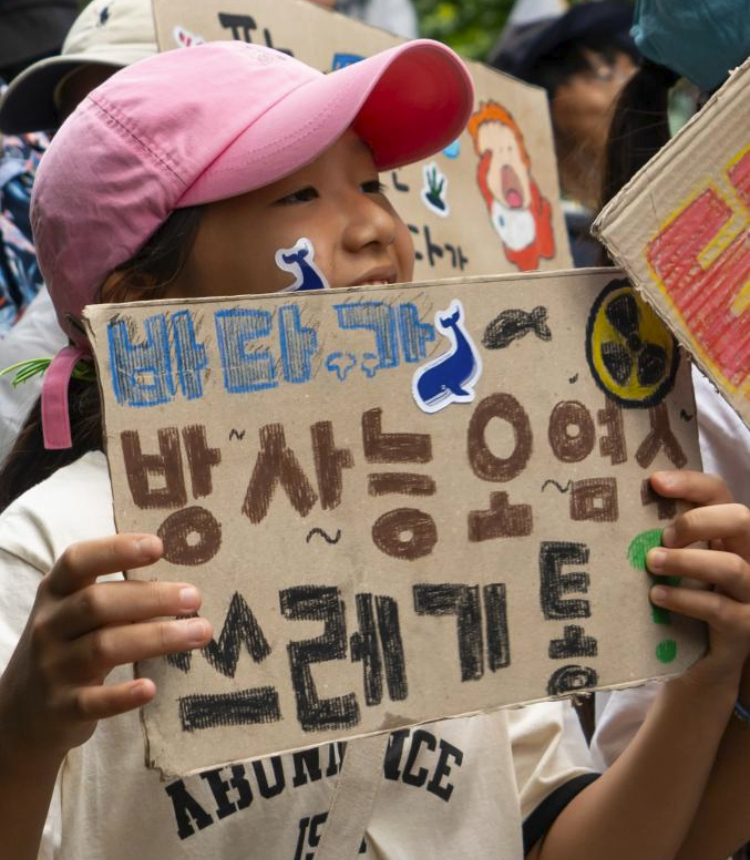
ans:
(574, 644)
(462, 601)
(240, 25)
(378, 644)
(554, 584)
(318, 603)
(496, 616)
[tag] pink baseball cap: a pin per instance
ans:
(195, 125)
(201, 124)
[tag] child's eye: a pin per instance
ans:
(302, 195)
(374, 186)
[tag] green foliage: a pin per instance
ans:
(469, 26)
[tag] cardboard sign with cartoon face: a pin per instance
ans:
(519, 214)
(488, 203)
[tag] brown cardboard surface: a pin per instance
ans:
(459, 238)
(368, 562)
(681, 230)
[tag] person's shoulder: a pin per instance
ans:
(75, 503)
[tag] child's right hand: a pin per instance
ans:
(52, 692)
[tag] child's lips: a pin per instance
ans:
(381, 275)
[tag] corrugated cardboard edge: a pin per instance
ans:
(620, 205)
(148, 761)
(394, 722)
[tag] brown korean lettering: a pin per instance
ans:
(485, 464)
(405, 533)
(276, 464)
(502, 520)
(144, 469)
(567, 446)
(330, 462)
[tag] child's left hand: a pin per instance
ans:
(724, 568)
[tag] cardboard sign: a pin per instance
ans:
(460, 222)
(399, 503)
(681, 230)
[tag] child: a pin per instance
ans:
(181, 176)
(701, 40)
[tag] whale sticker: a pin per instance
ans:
(299, 261)
(451, 377)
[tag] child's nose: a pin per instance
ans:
(368, 222)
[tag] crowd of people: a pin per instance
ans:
(98, 203)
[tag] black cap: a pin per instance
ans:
(518, 52)
(30, 29)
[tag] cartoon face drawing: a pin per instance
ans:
(519, 214)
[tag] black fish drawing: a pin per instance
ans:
(513, 324)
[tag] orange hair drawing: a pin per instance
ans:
(493, 112)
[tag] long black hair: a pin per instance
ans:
(639, 126)
(146, 275)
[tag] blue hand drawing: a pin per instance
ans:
(370, 364)
(341, 363)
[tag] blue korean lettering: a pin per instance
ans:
(414, 334)
(298, 344)
(191, 355)
(245, 370)
(380, 318)
(142, 373)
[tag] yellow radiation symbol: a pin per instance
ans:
(632, 354)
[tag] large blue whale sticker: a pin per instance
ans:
(451, 377)
(299, 261)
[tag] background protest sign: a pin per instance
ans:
(399, 503)
(460, 222)
(681, 230)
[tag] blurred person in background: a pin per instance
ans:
(29, 30)
(396, 16)
(106, 36)
(582, 57)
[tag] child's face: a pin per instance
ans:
(336, 202)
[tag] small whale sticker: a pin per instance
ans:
(451, 377)
(300, 262)
(514, 324)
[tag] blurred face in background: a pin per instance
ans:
(582, 105)
(581, 109)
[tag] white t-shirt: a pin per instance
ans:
(725, 451)
(453, 789)
(35, 335)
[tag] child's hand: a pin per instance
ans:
(53, 692)
(725, 568)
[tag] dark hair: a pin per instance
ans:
(639, 126)
(148, 273)
(574, 58)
